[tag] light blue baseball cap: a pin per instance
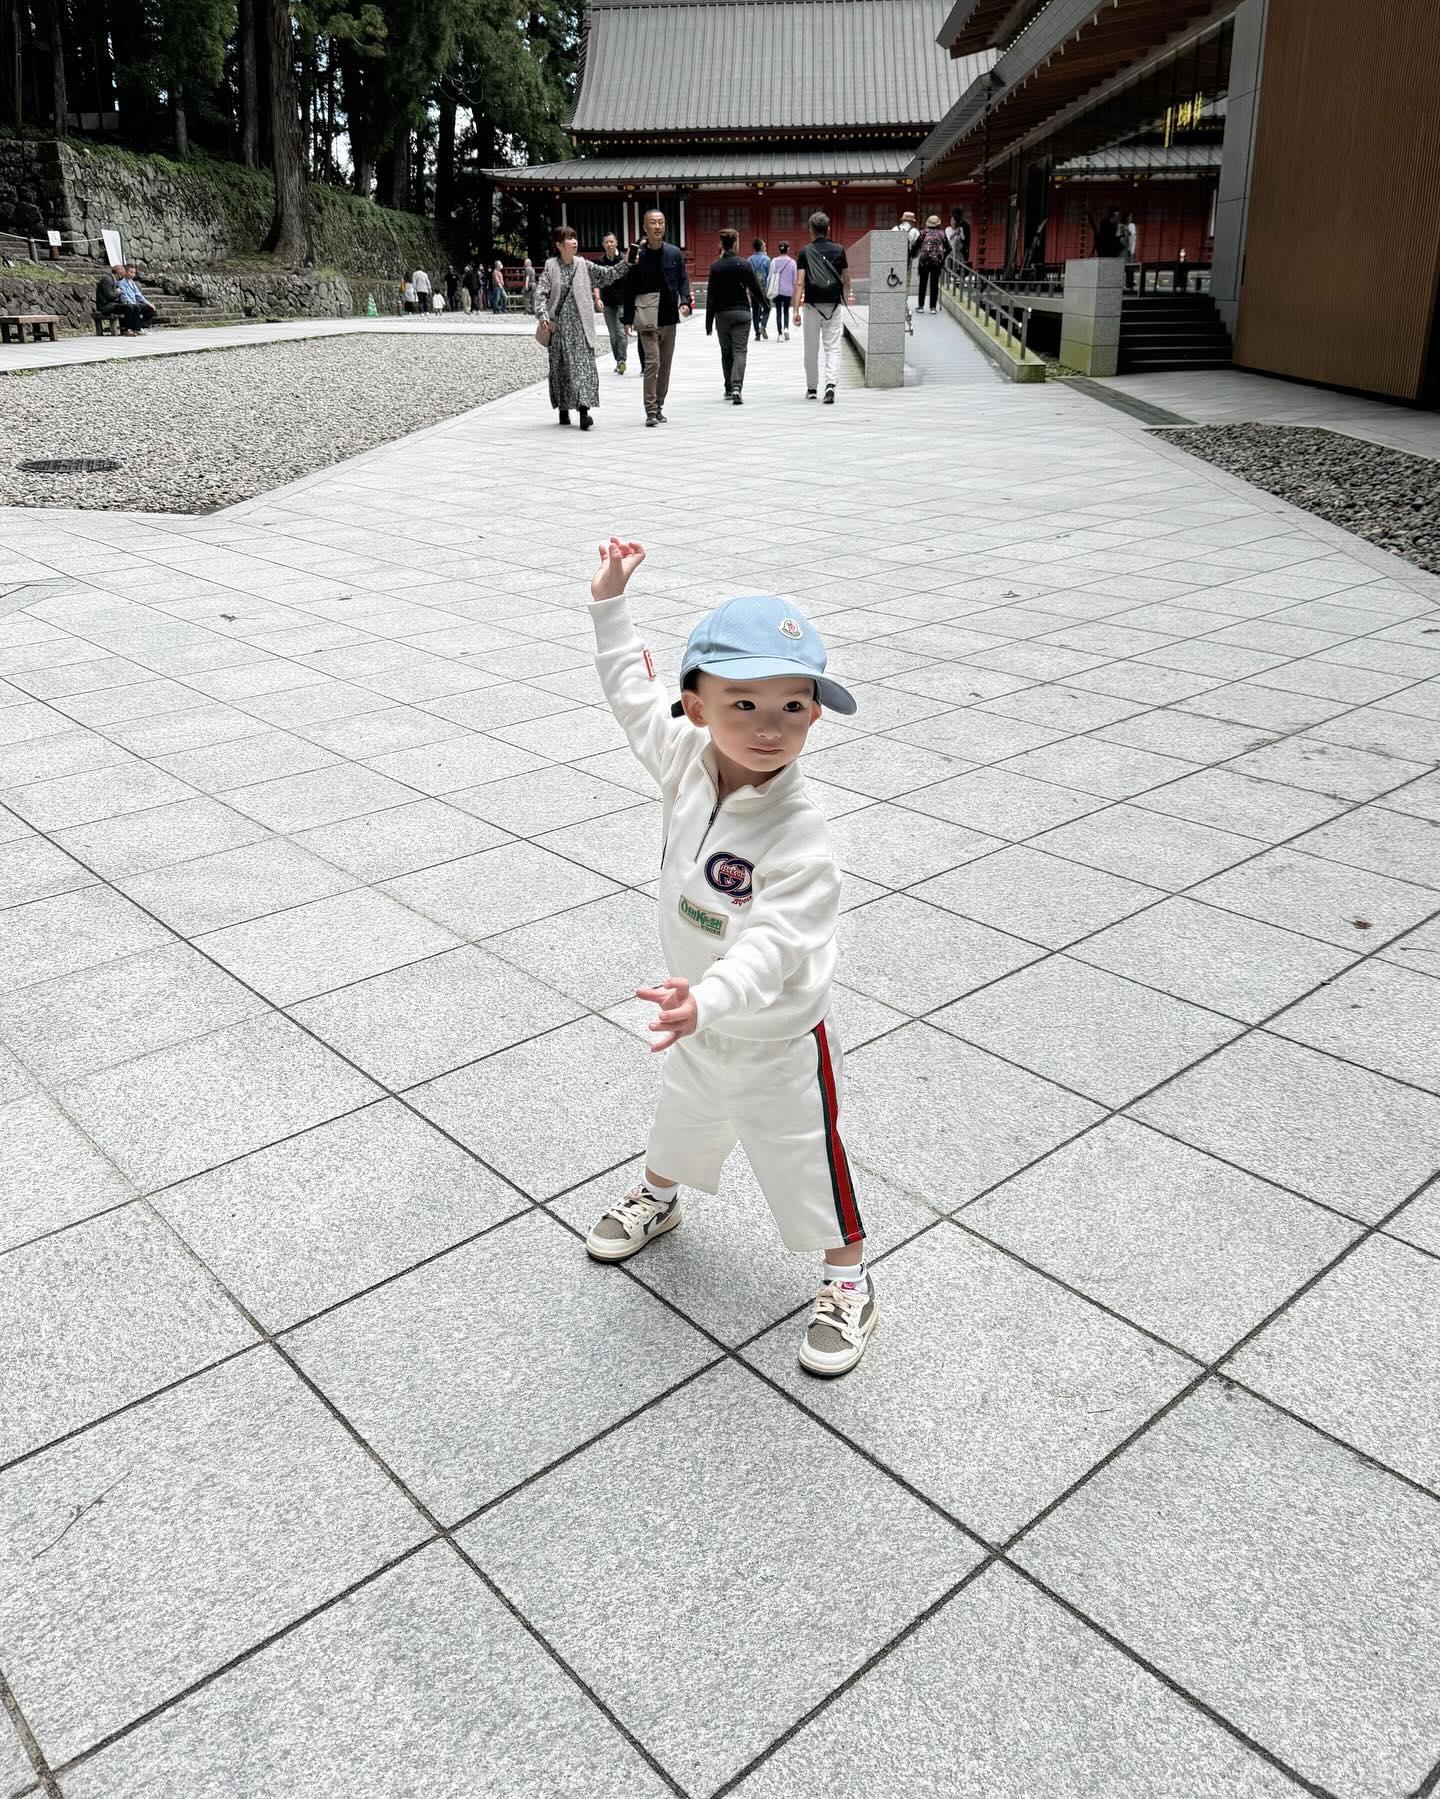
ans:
(756, 638)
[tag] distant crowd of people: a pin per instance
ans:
(644, 292)
(470, 289)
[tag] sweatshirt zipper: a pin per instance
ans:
(715, 813)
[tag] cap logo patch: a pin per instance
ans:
(730, 875)
(789, 628)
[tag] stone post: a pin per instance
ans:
(1090, 322)
(885, 348)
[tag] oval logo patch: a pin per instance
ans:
(730, 875)
(789, 628)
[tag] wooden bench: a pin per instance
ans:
(108, 324)
(36, 321)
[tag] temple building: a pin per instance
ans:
(753, 113)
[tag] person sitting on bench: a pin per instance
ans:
(133, 295)
(110, 305)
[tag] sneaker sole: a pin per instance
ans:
(830, 1369)
(614, 1249)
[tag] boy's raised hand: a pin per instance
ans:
(618, 561)
(677, 1010)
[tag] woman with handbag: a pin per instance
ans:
(565, 301)
(780, 290)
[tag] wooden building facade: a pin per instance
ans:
(753, 114)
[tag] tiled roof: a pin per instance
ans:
(706, 167)
(757, 65)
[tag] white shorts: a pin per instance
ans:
(781, 1103)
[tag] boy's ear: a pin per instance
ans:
(694, 708)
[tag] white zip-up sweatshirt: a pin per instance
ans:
(749, 887)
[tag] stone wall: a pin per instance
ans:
(193, 215)
(71, 301)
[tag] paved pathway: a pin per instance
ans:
(329, 1465)
(1235, 396)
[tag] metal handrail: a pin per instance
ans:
(983, 295)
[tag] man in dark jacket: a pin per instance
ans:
(109, 304)
(731, 296)
(657, 297)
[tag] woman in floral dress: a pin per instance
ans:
(565, 294)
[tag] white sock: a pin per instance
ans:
(657, 1191)
(851, 1274)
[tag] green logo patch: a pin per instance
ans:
(711, 923)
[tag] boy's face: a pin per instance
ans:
(759, 725)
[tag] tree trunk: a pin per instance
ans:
(400, 168)
(290, 234)
(249, 86)
(182, 129)
(58, 102)
(11, 64)
(445, 167)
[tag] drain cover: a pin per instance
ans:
(68, 465)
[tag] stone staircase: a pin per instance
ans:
(171, 309)
(1171, 331)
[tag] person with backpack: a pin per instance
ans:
(822, 286)
(760, 307)
(930, 256)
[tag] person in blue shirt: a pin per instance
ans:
(760, 305)
(132, 294)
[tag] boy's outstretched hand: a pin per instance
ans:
(618, 561)
(677, 1010)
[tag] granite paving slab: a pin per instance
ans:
(193, 1106)
(1354, 1356)
(1181, 1244)
(732, 1594)
(200, 1523)
(974, 1416)
(1098, 1035)
(1003, 1695)
(553, 1110)
(100, 1016)
(443, 1372)
(51, 1173)
(334, 1210)
(1353, 1140)
(77, 1338)
(1228, 1545)
(419, 1681)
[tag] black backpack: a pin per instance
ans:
(822, 279)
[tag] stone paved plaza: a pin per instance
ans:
(330, 1466)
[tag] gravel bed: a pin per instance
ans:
(1388, 497)
(203, 429)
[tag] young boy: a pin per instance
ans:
(749, 897)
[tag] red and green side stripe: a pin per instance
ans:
(842, 1188)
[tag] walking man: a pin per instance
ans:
(760, 308)
(731, 295)
(420, 280)
(822, 285)
(613, 298)
(657, 297)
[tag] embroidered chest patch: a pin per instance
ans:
(711, 923)
(730, 875)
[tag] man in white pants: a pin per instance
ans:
(822, 286)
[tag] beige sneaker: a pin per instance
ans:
(839, 1328)
(635, 1221)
